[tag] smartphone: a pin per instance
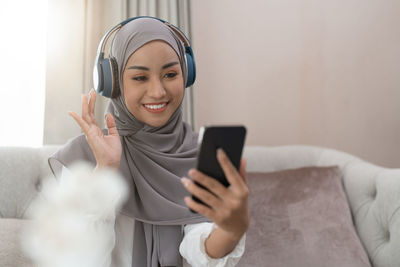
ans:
(231, 139)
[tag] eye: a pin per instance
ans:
(140, 78)
(170, 75)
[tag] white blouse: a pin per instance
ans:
(192, 247)
(193, 250)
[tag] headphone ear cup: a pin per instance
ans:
(110, 78)
(107, 77)
(191, 67)
(115, 86)
(98, 78)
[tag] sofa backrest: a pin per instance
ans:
(269, 159)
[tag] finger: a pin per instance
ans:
(202, 194)
(208, 182)
(111, 126)
(92, 103)
(85, 111)
(242, 170)
(200, 208)
(83, 124)
(230, 171)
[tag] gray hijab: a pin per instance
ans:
(153, 158)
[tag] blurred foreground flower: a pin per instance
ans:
(73, 219)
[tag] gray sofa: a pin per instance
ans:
(373, 194)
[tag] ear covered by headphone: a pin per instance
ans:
(105, 70)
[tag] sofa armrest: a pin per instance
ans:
(21, 171)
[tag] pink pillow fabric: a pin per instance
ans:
(301, 218)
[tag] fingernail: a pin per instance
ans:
(185, 181)
(220, 152)
(192, 172)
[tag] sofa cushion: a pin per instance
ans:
(301, 217)
(10, 250)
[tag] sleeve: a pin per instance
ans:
(192, 247)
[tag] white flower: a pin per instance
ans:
(73, 219)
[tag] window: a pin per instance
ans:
(23, 27)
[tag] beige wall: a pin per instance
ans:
(314, 72)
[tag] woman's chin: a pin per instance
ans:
(156, 123)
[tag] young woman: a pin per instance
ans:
(150, 145)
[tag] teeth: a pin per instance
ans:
(155, 106)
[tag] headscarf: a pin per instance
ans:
(153, 158)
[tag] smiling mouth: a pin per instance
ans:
(156, 107)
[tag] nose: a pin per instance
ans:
(156, 89)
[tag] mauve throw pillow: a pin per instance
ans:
(301, 218)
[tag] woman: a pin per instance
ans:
(153, 149)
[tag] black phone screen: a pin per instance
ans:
(231, 139)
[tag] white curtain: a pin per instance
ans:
(76, 27)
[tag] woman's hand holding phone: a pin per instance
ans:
(227, 206)
(107, 149)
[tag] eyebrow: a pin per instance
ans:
(146, 68)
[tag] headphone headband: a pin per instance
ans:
(105, 72)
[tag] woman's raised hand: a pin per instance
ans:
(107, 149)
